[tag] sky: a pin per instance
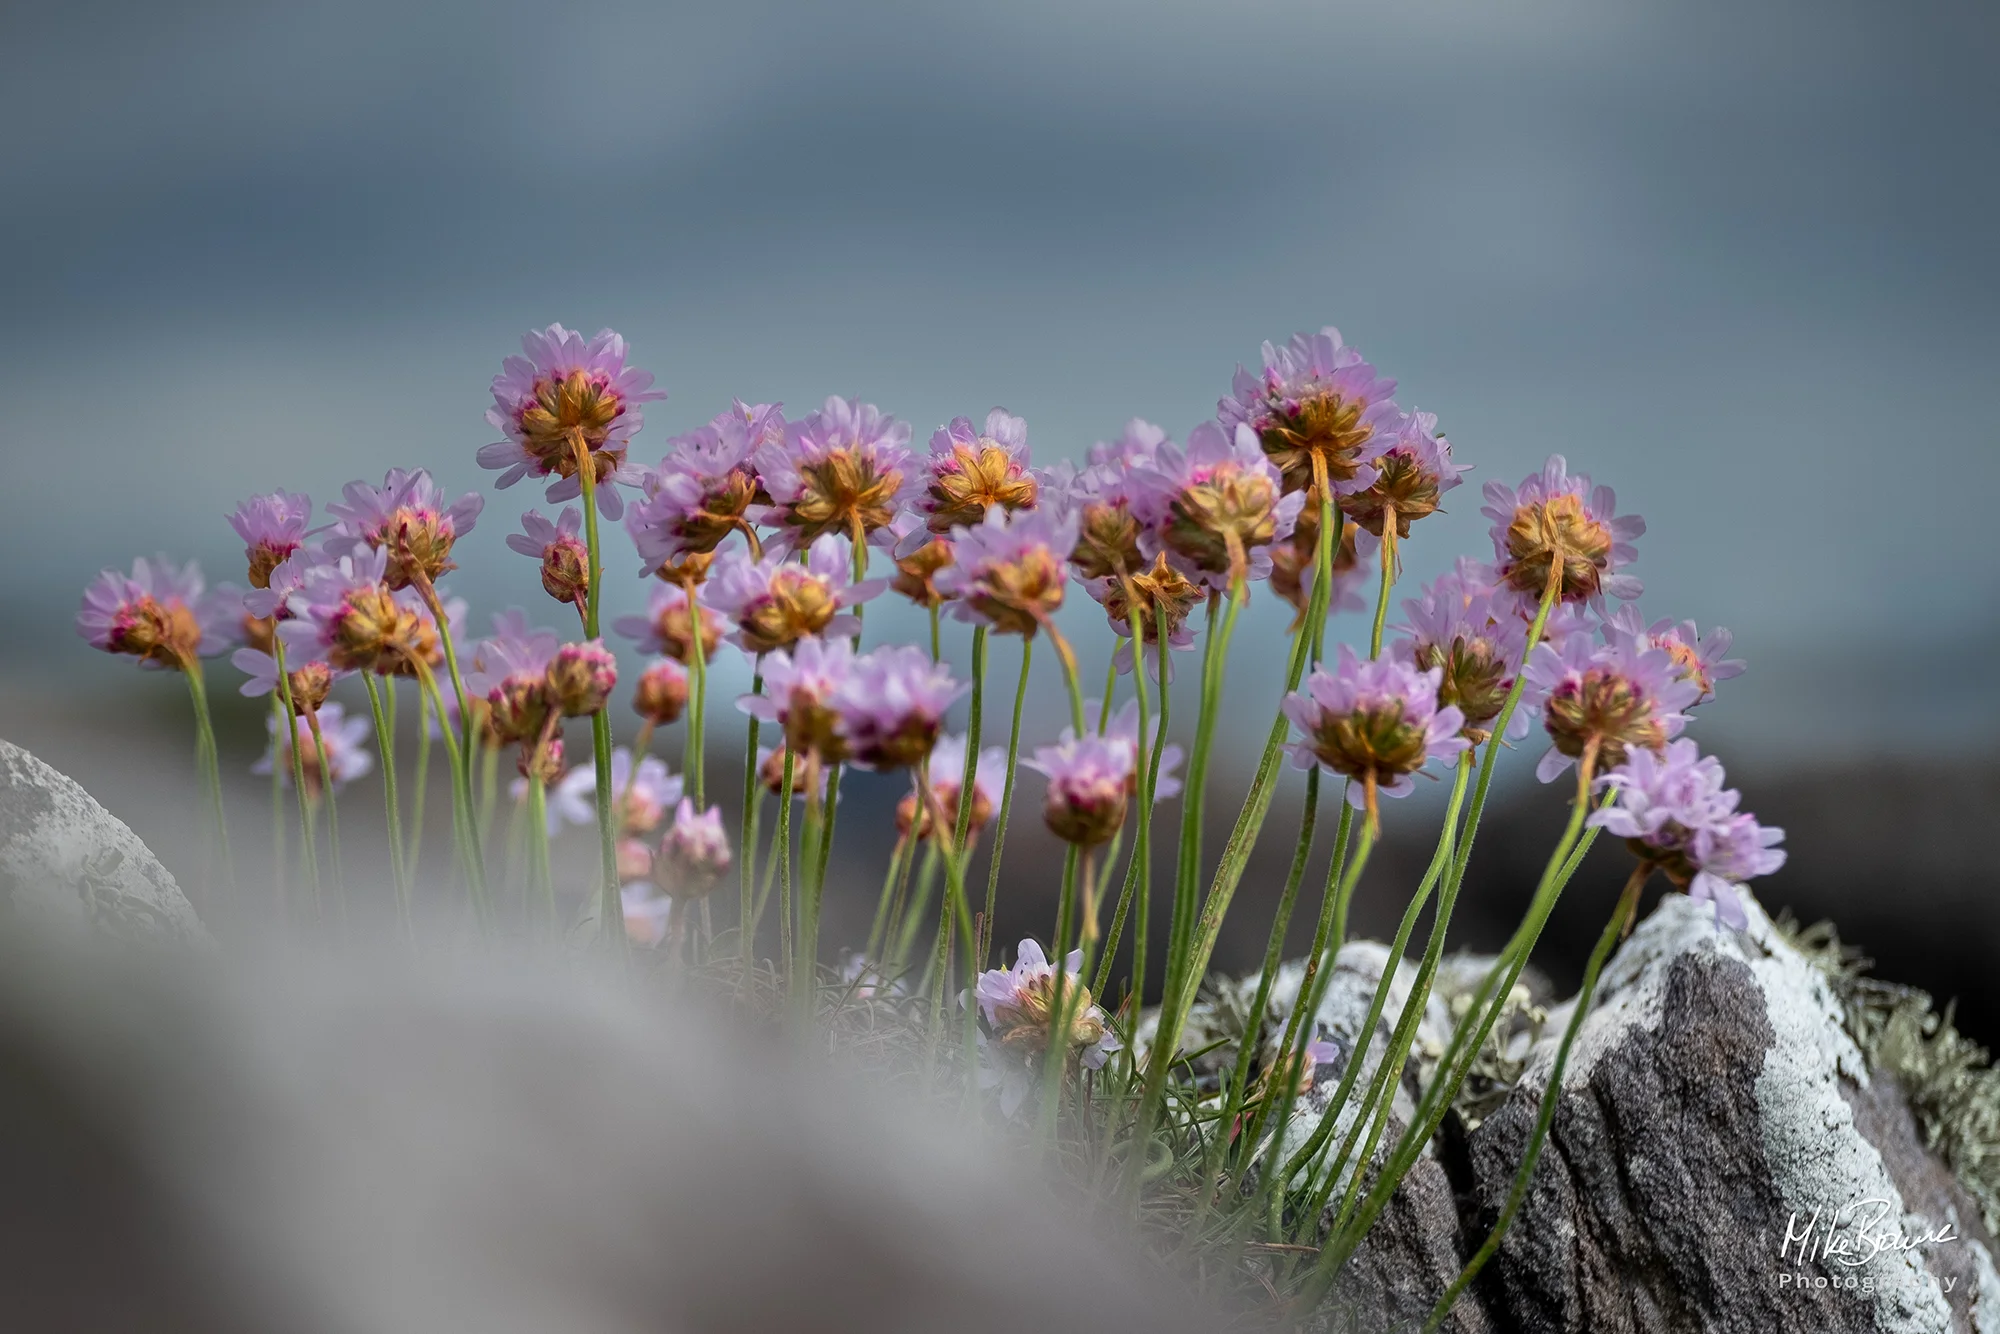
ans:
(1734, 260)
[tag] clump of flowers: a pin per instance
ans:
(163, 614)
(1698, 659)
(892, 706)
(1555, 526)
(406, 519)
(1318, 410)
(801, 690)
(1475, 649)
(775, 602)
(972, 473)
(345, 613)
(1675, 814)
(568, 401)
(1216, 507)
(346, 748)
(945, 771)
(511, 670)
(843, 470)
(1377, 720)
(309, 682)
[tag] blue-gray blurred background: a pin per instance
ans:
(1735, 260)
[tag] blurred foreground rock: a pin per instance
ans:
(67, 865)
(1715, 1105)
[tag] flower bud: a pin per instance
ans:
(566, 570)
(694, 855)
(661, 693)
(547, 761)
(580, 678)
(519, 706)
(310, 684)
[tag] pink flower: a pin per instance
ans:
(775, 602)
(1215, 508)
(892, 706)
(1018, 1007)
(1317, 407)
(272, 528)
(565, 560)
(844, 470)
(1617, 697)
(567, 398)
(347, 756)
(694, 854)
(801, 686)
(1554, 520)
(1697, 657)
(972, 473)
(163, 614)
(1009, 570)
(644, 797)
(1377, 720)
(706, 488)
(406, 517)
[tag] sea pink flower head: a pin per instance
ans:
(511, 671)
(920, 556)
(661, 692)
(844, 470)
(581, 678)
(668, 627)
(1216, 507)
(163, 614)
(801, 686)
(407, 518)
(946, 770)
(775, 602)
(1018, 1006)
(640, 800)
(707, 487)
(1411, 473)
(694, 853)
(1698, 658)
(1008, 571)
(1091, 781)
(1615, 698)
(892, 706)
(1556, 525)
(272, 528)
(558, 546)
(970, 473)
(1674, 812)
(310, 680)
(1476, 649)
(1317, 407)
(565, 400)
(1377, 720)
(347, 756)
(1125, 724)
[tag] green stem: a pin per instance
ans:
(786, 950)
(968, 783)
(306, 821)
(1614, 931)
(611, 908)
(423, 778)
(332, 811)
(1006, 805)
(694, 759)
(1060, 1002)
(539, 871)
(385, 740)
(278, 839)
(753, 800)
(898, 856)
(207, 764)
(1388, 580)
(1148, 765)
(465, 825)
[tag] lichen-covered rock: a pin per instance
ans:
(1722, 1160)
(67, 864)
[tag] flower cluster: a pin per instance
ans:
(566, 403)
(1377, 720)
(1092, 778)
(1674, 813)
(1017, 1006)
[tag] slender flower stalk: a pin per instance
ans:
(283, 692)
(611, 906)
(1614, 931)
(385, 741)
(1006, 804)
(753, 800)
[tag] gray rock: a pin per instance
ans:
(1713, 1103)
(69, 865)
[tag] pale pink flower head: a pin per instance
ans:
(892, 706)
(946, 770)
(668, 627)
(647, 913)
(1728, 853)
(640, 800)
(1009, 570)
(407, 518)
(775, 602)
(1216, 507)
(511, 671)
(1410, 475)
(163, 614)
(581, 678)
(272, 528)
(1018, 1005)
(1476, 649)
(1698, 658)
(970, 473)
(1376, 720)
(347, 756)
(1101, 496)
(844, 470)
(1615, 698)
(694, 853)
(1674, 813)
(564, 401)
(1555, 524)
(1125, 724)
(1091, 782)
(559, 547)
(310, 680)
(707, 487)
(1316, 408)
(801, 687)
